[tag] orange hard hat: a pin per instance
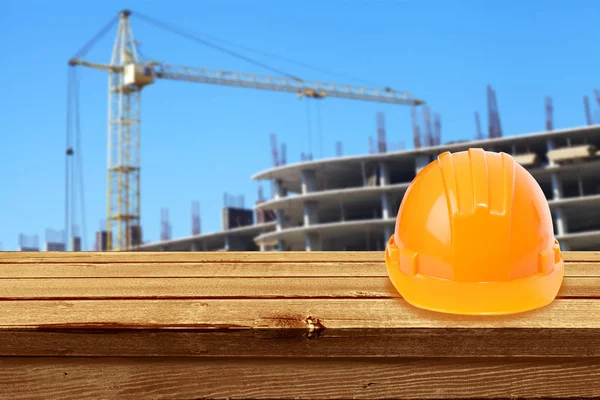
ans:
(474, 236)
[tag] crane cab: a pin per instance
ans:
(139, 75)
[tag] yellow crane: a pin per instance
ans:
(129, 75)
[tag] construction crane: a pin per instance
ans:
(129, 75)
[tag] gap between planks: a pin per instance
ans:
(247, 257)
(225, 269)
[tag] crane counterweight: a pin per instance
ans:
(139, 75)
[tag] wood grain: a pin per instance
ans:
(276, 326)
(330, 343)
(278, 314)
(185, 378)
(196, 269)
(214, 269)
(235, 288)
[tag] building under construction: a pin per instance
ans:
(350, 203)
(239, 227)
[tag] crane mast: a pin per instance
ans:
(128, 75)
(123, 192)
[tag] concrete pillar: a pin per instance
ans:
(194, 247)
(386, 206)
(384, 174)
(280, 192)
(75, 244)
(309, 185)
(279, 220)
(364, 173)
(262, 247)
(421, 161)
(386, 198)
(313, 243)
(557, 188)
(278, 189)
(309, 181)
(549, 147)
(557, 193)
(560, 221)
(388, 231)
(386, 202)
(311, 215)
(226, 243)
(559, 217)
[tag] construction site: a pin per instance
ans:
(337, 203)
(350, 203)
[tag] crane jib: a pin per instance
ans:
(303, 89)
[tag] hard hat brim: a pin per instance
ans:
(475, 298)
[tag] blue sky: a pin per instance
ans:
(199, 141)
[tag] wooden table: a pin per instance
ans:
(278, 326)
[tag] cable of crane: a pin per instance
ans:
(319, 130)
(70, 185)
(79, 166)
(86, 47)
(309, 124)
(69, 150)
(169, 28)
(73, 168)
(284, 59)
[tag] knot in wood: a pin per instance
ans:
(314, 325)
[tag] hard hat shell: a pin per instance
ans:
(474, 235)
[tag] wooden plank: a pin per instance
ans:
(330, 343)
(225, 269)
(227, 257)
(196, 256)
(207, 288)
(209, 269)
(239, 288)
(582, 256)
(181, 378)
(278, 314)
